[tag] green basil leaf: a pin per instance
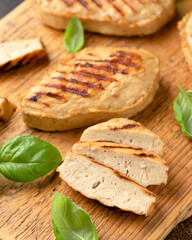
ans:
(183, 111)
(74, 36)
(56, 232)
(70, 221)
(25, 158)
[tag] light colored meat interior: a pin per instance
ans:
(125, 131)
(105, 185)
(146, 168)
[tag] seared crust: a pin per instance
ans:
(93, 87)
(125, 131)
(20, 52)
(112, 17)
(185, 27)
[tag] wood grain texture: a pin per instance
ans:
(25, 207)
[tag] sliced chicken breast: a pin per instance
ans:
(95, 85)
(20, 52)
(6, 111)
(144, 167)
(112, 17)
(111, 188)
(125, 131)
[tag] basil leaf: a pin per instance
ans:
(56, 232)
(183, 111)
(25, 158)
(70, 221)
(74, 36)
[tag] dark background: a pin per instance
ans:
(184, 230)
(7, 5)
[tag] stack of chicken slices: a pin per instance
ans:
(114, 162)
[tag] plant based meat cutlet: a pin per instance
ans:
(110, 17)
(95, 85)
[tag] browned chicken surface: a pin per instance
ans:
(95, 85)
(19, 52)
(115, 17)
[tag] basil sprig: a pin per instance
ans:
(183, 111)
(74, 36)
(26, 158)
(70, 221)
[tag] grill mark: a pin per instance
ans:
(79, 92)
(46, 104)
(103, 67)
(14, 65)
(94, 75)
(149, 193)
(117, 61)
(131, 6)
(49, 94)
(22, 61)
(68, 3)
(131, 54)
(127, 147)
(165, 164)
(6, 66)
(73, 80)
(52, 95)
(118, 174)
(34, 98)
(127, 126)
(117, 55)
(122, 176)
(144, 155)
(104, 141)
(116, 7)
(83, 3)
(19, 63)
(97, 3)
(55, 95)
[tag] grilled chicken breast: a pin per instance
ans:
(113, 17)
(125, 131)
(20, 52)
(111, 188)
(185, 27)
(94, 86)
(6, 111)
(144, 167)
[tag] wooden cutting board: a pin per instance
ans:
(25, 207)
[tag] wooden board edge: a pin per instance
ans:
(182, 216)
